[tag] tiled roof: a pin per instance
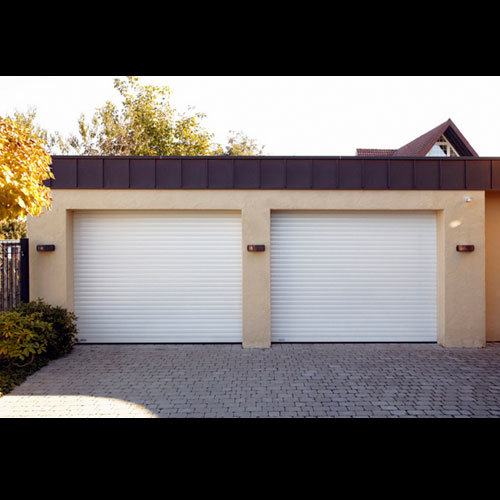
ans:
(375, 152)
(422, 145)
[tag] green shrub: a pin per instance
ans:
(23, 336)
(63, 336)
(11, 375)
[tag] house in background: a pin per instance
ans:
(445, 140)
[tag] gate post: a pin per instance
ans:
(25, 270)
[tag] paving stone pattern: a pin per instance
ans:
(288, 380)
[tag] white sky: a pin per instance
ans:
(289, 115)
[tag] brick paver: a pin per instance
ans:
(288, 380)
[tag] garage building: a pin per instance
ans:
(256, 250)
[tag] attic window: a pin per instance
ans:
(443, 148)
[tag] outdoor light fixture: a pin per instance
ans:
(468, 199)
(256, 248)
(465, 248)
(45, 248)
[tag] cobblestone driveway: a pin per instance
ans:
(288, 380)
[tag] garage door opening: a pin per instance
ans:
(354, 276)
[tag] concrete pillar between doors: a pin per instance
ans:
(256, 276)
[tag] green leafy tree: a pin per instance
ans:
(239, 144)
(145, 123)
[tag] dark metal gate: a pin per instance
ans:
(14, 273)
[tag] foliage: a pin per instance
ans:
(22, 336)
(63, 322)
(24, 165)
(239, 144)
(11, 375)
(26, 119)
(30, 336)
(12, 229)
(146, 123)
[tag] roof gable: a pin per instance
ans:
(423, 144)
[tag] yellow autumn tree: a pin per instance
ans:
(24, 165)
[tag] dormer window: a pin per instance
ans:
(442, 147)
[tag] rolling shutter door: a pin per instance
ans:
(157, 276)
(353, 276)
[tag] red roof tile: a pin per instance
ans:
(422, 145)
(375, 152)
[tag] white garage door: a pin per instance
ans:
(353, 276)
(157, 276)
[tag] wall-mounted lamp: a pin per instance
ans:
(465, 248)
(45, 248)
(256, 248)
(468, 199)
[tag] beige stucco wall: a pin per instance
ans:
(461, 277)
(492, 227)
